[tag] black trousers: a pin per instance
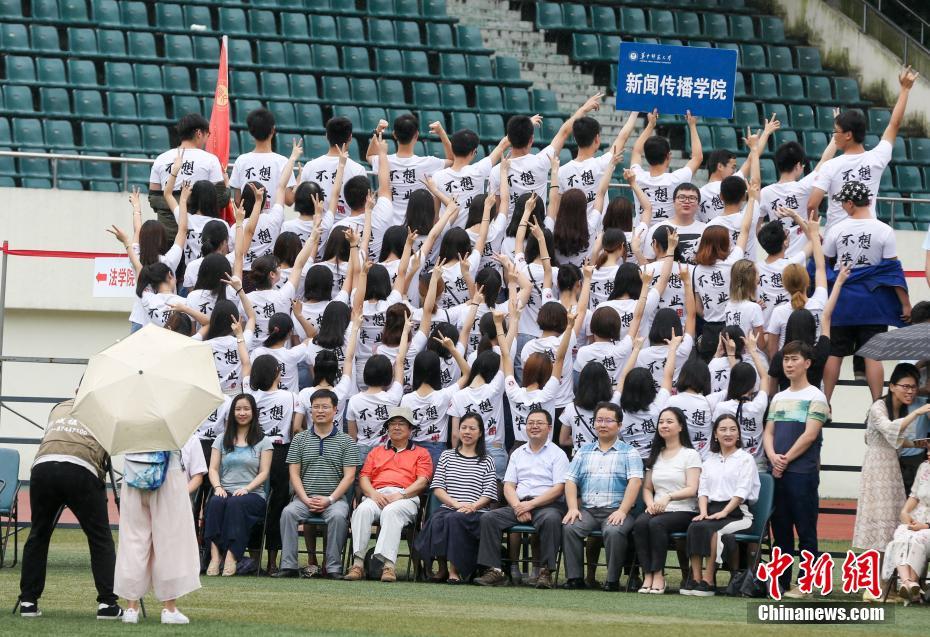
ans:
(53, 485)
(280, 496)
(651, 536)
(909, 466)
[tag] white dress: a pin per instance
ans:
(912, 547)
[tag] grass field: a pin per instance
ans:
(252, 606)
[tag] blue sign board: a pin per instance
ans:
(675, 79)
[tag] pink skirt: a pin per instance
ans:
(157, 542)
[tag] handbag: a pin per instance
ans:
(744, 583)
(147, 470)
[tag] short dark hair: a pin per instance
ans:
(920, 313)
(378, 371)
(716, 157)
(406, 128)
(540, 410)
(605, 323)
(612, 407)
(338, 131)
(189, 124)
(733, 190)
(585, 131)
(552, 317)
(656, 150)
(772, 237)
(260, 123)
(686, 186)
(303, 197)
(789, 155)
(520, 131)
(694, 375)
(798, 348)
(464, 142)
(355, 192)
(852, 121)
(322, 394)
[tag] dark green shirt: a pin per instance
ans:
(322, 460)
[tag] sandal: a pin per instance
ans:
(659, 591)
(439, 579)
(229, 568)
(454, 581)
(213, 569)
(644, 589)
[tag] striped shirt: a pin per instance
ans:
(322, 460)
(602, 476)
(465, 479)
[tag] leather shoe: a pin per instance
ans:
(286, 572)
(576, 583)
(611, 587)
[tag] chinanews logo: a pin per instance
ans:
(633, 56)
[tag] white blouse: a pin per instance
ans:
(735, 475)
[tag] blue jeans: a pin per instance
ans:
(796, 504)
(435, 450)
(522, 339)
(500, 461)
(134, 327)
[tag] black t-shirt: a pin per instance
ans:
(814, 372)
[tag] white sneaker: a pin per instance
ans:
(177, 617)
(130, 616)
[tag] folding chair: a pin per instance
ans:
(9, 510)
(261, 546)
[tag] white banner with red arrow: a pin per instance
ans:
(114, 277)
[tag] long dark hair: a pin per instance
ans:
(152, 275)
(480, 446)
(658, 442)
(153, 242)
(326, 367)
(538, 215)
(280, 327)
(570, 233)
(214, 234)
(265, 370)
(427, 369)
(486, 365)
(333, 325)
(318, 285)
(639, 391)
(213, 269)
(392, 242)
(287, 247)
(221, 319)
(337, 246)
(421, 213)
(261, 271)
(254, 435)
(901, 371)
(594, 386)
(742, 381)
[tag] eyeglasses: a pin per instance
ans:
(907, 388)
(687, 198)
(541, 423)
(604, 421)
(321, 407)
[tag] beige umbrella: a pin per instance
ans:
(148, 392)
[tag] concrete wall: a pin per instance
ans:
(837, 35)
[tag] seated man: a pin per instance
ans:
(601, 487)
(533, 487)
(321, 462)
(394, 476)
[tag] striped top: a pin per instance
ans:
(322, 460)
(465, 479)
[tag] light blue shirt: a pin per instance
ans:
(602, 476)
(919, 429)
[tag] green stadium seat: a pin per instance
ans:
(752, 56)
(303, 87)
(241, 51)
(297, 54)
(433, 8)
(609, 47)
(745, 114)
(439, 34)
(724, 137)
(243, 83)
(275, 84)
(370, 115)
(178, 47)
(704, 135)
(452, 66)
(105, 12)
(409, 33)
(350, 30)
(907, 179)
(407, 8)
(194, 14)
(294, 25)
(871, 141)
(100, 172)
(426, 95)
(574, 17)
(126, 137)
(846, 90)
(715, 26)
(467, 38)
(687, 24)
(818, 89)
(919, 210)
(425, 116)
(801, 116)
(271, 53)
(134, 13)
(118, 75)
(364, 91)
(315, 145)
(814, 143)
(671, 42)
(121, 105)
(205, 48)
(285, 117)
(919, 149)
(262, 22)
(112, 44)
(506, 68)
(5, 136)
(516, 100)
(45, 38)
(206, 80)
(14, 8)
(603, 18)
(464, 120)
(808, 59)
(87, 103)
(54, 101)
(899, 151)
(335, 88)
(825, 118)
(878, 119)
(184, 104)
(20, 69)
(416, 64)
(661, 22)
(232, 21)
(154, 138)
(545, 102)
(34, 167)
(490, 126)
(96, 135)
(80, 73)
(771, 29)
(322, 27)
(780, 58)
(548, 130)
(391, 91)
(48, 9)
(168, 16)
(70, 170)
(242, 108)
(452, 96)
(380, 8)
(52, 71)
(585, 47)
(70, 11)
(151, 106)
(633, 20)
(700, 44)
(350, 112)
(741, 28)
(325, 57)
(382, 32)
(309, 116)
(389, 61)
(763, 86)
(768, 171)
(791, 87)
(549, 16)
(355, 60)
(478, 67)
(488, 98)
(148, 77)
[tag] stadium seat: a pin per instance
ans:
(206, 80)
(126, 137)
(574, 17)
(350, 30)
(148, 77)
(242, 108)
(18, 99)
(112, 44)
(285, 117)
(88, 103)
(322, 27)
(151, 106)
(791, 87)
(11, 8)
(118, 75)
(96, 135)
(335, 88)
(898, 150)
(184, 104)
(271, 53)
(70, 11)
(919, 149)
(416, 64)
(406, 8)
(382, 32)
(355, 60)
(427, 117)
(506, 68)
(752, 56)
(808, 59)
(878, 120)
(364, 91)
(516, 100)
(241, 51)
(154, 138)
(467, 38)
(824, 117)
(194, 14)
(325, 57)
(715, 26)
(661, 23)
(545, 102)
(206, 48)
(771, 29)
(350, 112)
(439, 35)
(547, 131)
(80, 73)
(907, 179)
(408, 33)
(294, 25)
(741, 28)
(370, 115)
(768, 171)
(178, 47)
(242, 83)
(297, 54)
(745, 114)
(846, 90)
(478, 67)
(801, 116)
(740, 87)
(262, 22)
(814, 143)
(303, 87)
(309, 116)
(434, 8)
(391, 91)
(141, 45)
(763, 86)
(687, 24)
(603, 18)
(610, 47)
(452, 66)
(633, 21)
(45, 38)
(871, 141)
(426, 95)
(585, 47)
(168, 16)
(20, 69)
(452, 96)
(389, 61)
(52, 71)
(275, 84)
(818, 89)
(54, 101)
(464, 120)
(134, 13)
(780, 58)
(121, 105)
(380, 8)
(490, 126)
(488, 98)
(724, 137)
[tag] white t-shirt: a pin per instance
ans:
(313, 312)
(859, 243)
(602, 284)
(344, 387)
(266, 233)
(455, 288)
(720, 372)
(529, 173)
(301, 227)
(538, 294)
(406, 175)
(671, 475)
(732, 222)
(463, 185)
(193, 269)
(195, 224)
(265, 168)
(584, 175)
(866, 167)
(157, 306)
(214, 425)
(171, 258)
(204, 300)
(653, 358)
(430, 414)
(226, 358)
(417, 344)
(711, 203)
(340, 351)
(288, 359)
(746, 314)
(340, 272)
(611, 354)
(369, 411)
(492, 244)
(674, 295)
(322, 170)
(712, 285)
(660, 190)
(269, 302)
(382, 218)
(639, 427)
(625, 308)
(770, 289)
(689, 236)
(275, 411)
(369, 333)
(192, 458)
(487, 400)
(793, 195)
(752, 421)
(523, 400)
(778, 322)
(699, 410)
(197, 165)
(581, 423)
(549, 345)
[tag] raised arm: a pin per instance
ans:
(603, 186)
(243, 350)
(830, 305)
(297, 149)
(637, 155)
(906, 79)
(593, 103)
(429, 303)
(584, 299)
(830, 150)
(668, 374)
(640, 307)
(183, 219)
(697, 151)
(743, 238)
(564, 344)
(690, 304)
(521, 228)
(127, 245)
(451, 212)
(172, 179)
(506, 361)
(543, 253)
(236, 284)
(555, 197)
(336, 192)
(348, 367)
(641, 198)
(498, 151)
(402, 352)
(630, 362)
(624, 135)
(459, 359)
(437, 129)
(667, 261)
(384, 172)
(762, 369)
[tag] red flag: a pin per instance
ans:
(218, 143)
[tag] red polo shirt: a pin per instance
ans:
(386, 467)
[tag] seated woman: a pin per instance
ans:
(239, 466)
(909, 549)
(729, 480)
(465, 482)
(673, 471)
